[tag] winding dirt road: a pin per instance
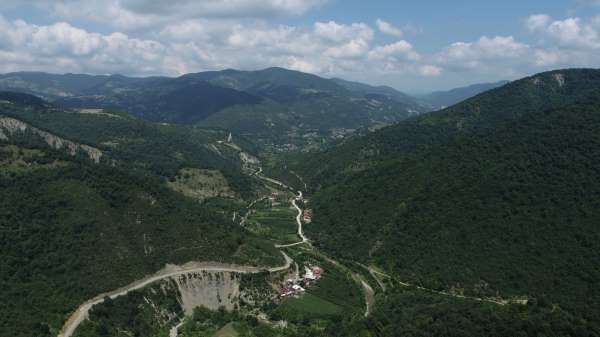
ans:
(299, 223)
(82, 312)
(375, 274)
(271, 180)
(369, 297)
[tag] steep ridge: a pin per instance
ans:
(10, 127)
(496, 194)
(550, 90)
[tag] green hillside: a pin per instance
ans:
(497, 196)
(71, 229)
(157, 149)
(550, 90)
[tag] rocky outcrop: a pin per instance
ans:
(249, 159)
(11, 126)
(209, 289)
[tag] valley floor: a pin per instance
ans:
(300, 251)
(171, 271)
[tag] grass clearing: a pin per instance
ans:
(201, 184)
(15, 159)
(227, 331)
(277, 223)
(309, 304)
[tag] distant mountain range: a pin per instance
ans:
(442, 99)
(272, 101)
(276, 104)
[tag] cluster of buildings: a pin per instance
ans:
(274, 199)
(293, 287)
(307, 215)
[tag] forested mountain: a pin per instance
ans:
(49, 86)
(443, 99)
(271, 77)
(304, 102)
(85, 208)
(181, 100)
(495, 196)
(382, 90)
(274, 103)
(550, 90)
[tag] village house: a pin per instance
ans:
(292, 287)
(307, 215)
(298, 286)
(274, 199)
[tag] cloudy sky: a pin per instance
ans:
(412, 45)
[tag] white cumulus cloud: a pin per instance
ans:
(483, 52)
(401, 49)
(389, 29)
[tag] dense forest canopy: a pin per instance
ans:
(71, 229)
(496, 196)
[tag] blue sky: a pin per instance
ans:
(441, 22)
(414, 46)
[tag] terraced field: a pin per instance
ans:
(227, 331)
(275, 223)
(309, 305)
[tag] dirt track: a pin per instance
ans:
(299, 223)
(169, 271)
